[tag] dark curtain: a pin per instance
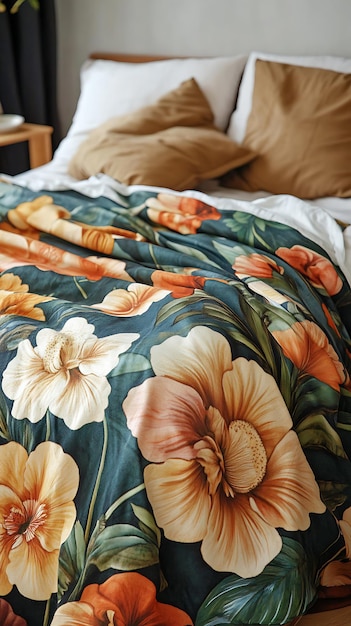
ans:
(28, 73)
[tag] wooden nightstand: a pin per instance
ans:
(39, 142)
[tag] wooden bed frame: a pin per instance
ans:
(131, 58)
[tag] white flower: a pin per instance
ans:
(65, 373)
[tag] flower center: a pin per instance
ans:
(237, 460)
(58, 355)
(23, 523)
(52, 357)
(245, 457)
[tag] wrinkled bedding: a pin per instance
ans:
(175, 409)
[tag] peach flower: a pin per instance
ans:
(225, 467)
(124, 600)
(134, 300)
(306, 345)
(319, 270)
(37, 514)
(180, 285)
(255, 264)
(18, 250)
(179, 213)
(114, 268)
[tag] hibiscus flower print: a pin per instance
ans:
(319, 270)
(257, 265)
(225, 467)
(180, 285)
(65, 373)
(113, 268)
(305, 344)
(37, 514)
(179, 213)
(15, 299)
(18, 250)
(18, 217)
(135, 300)
(124, 599)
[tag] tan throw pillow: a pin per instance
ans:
(300, 128)
(172, 143)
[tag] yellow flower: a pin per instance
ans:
(226, 469)
(65, 373)
(36, 516)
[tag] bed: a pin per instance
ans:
(175, 355)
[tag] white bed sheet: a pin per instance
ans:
(315, 219)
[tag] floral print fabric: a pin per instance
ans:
(175, 411)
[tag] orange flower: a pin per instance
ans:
(8, 617)
(329, 319)
(257, 265)
(317, 269)
(18, 250)
(225, 467)
(134, 300)
(180, 213)
(124, 600)
(22, 304)
(305, 344)
(180, 285)
(15, 300)
(36, 516)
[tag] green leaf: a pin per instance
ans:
(71, 560)
(333, 494)
(4, 416)
(175, 306)
(10, 338)
(283, 591)
(147, 523)
(123, 547)
(129, 363)
(315, 431)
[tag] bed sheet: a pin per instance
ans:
(175, 407)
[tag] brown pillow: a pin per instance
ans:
(172, 143)
(300, 127)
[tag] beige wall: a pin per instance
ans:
(194, 27)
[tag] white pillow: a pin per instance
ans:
(239, 118)
(112, 88)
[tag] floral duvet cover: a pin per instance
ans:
(175, 414)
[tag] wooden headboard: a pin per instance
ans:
(130, 58)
